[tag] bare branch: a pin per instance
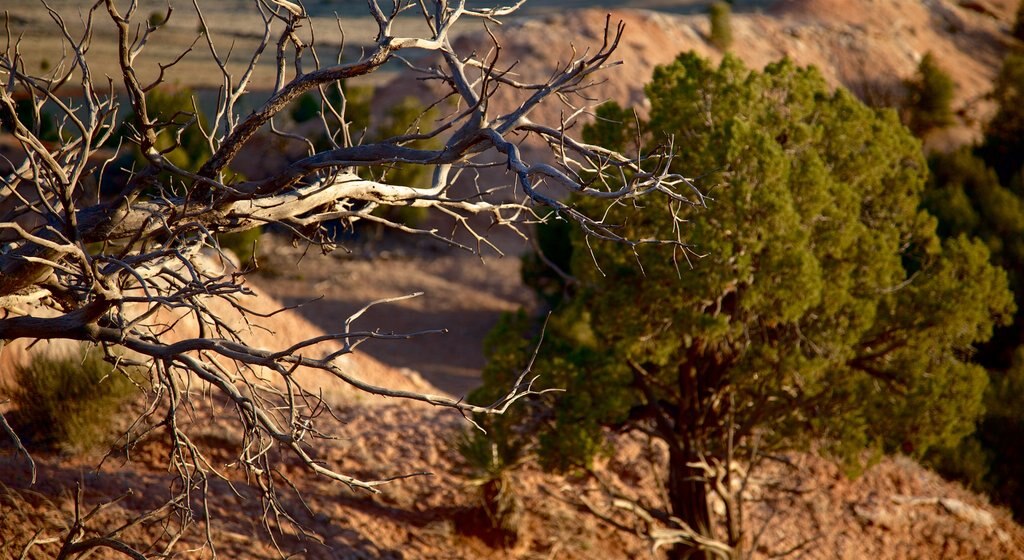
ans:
(122, 257)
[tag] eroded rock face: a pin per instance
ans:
(868, 46)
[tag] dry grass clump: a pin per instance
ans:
(68, 402)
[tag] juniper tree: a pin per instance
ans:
(721, 25)
(826, 309)
(1003, 147)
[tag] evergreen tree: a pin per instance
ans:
(826, 308)
(968, 199)
(979, 192)
(721, 25)
(929, 98)
(1003, 147)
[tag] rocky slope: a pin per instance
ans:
(895, 510)
(868, 46)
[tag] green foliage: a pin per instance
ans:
(492, 461)
(1000, 434)
(407, 118)
(990, 461)
(180, 127)
(1003, 147)
(357, 107)
(402, 119)
(305, 108)
(493, 456)
(979, 192)
(156, 19)
(826, 307)
(353, 103)
(968, 199)
(242, 244)
(538, 268)
(69, 402)
(928, 104)
(42, 124)
(721, 25)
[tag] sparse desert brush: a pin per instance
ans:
(491, 462)
(68, 402)
(929, 101)
(721, 25)
(243, 244)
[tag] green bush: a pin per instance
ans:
(156, 19)
(721, 25)
(1003, 147)
(242, 244)
(491, 462)
(180, 127)
(977, 191)
(355, 101)
(68, 402)
(305, 108)
(929, 100)
(42, 124)
(407, 117)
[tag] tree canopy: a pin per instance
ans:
(824, 308)
(1003, 147)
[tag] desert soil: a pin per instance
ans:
(463, 294)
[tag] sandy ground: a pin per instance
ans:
(462, 293)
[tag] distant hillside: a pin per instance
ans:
(869, 46)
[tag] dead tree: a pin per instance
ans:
(99, 269)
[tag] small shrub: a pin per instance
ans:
(1003, 147)
(156, 19)
(180, 127)
(406, 117)
(242, 244)
(491, 461)
(42, 124)
(929, 99)
(68, 402)
(721, 25)
(305, 108)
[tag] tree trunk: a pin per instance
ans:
(688, 497)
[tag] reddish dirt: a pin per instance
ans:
(894, 510)
(462, 294)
